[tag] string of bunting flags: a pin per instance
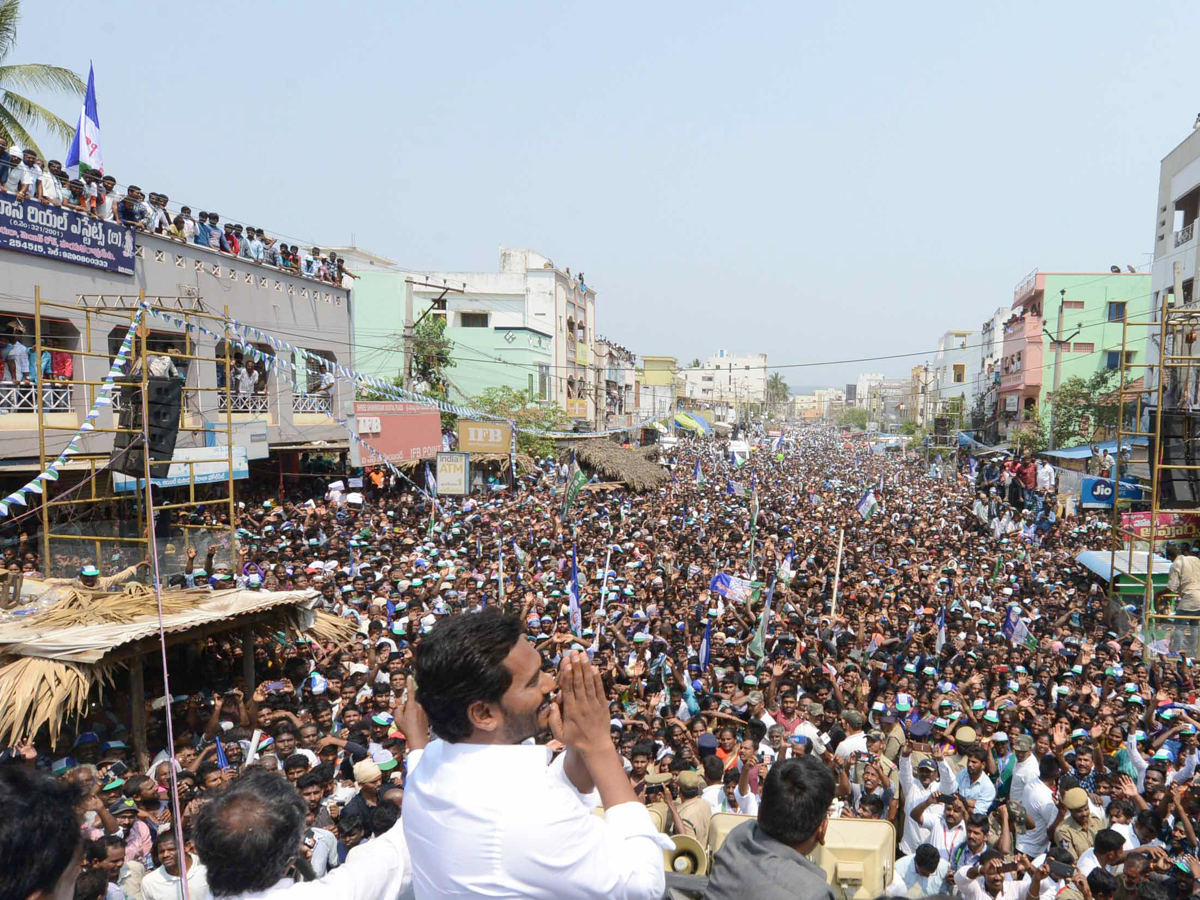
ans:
(103, 398)
(384, 461)
(249, 332)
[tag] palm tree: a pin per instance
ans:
(777, 389)
(19, 114)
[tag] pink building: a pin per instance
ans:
(1021, 359)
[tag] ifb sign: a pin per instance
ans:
(1098, 492)
(484, 437)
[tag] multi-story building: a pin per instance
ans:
(529, 326)
(312, 316)
(986, 389)
(954, 370)
(1176, 243)
(658, 386)
(863, 387)
(1094, 307)
(888, 402)
(726, 379)
(615, 372)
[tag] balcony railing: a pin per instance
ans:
(56, 397)
(1183, 235)
(310, 403)
(242, 403)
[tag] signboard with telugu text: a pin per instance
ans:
(62, 234)
(1170, 526)
(396, 430)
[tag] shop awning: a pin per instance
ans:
(1083, 451)
(1101, 562)
(687, 423)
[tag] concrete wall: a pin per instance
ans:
(306, 313)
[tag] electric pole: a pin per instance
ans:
(1057, 339)
(408, 333)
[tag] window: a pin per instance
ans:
(960, 373)
(1081, 347)
(1112, 359)
(1072, 304)
(473, 320)
(543, 381)
(1116, 312)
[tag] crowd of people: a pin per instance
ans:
(672, 657)
(25, 176)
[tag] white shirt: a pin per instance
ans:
(1024, 773)
(942, 836)
(915, 794)
(246, 380)
(1045, 477)
(975, 889)
(379, 869)
(810, 731)
(853, 743)
(1041, 811)
(160, 885)
(497, 821)
(905, 875)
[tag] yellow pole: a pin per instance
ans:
(229, 446)
(40, 399)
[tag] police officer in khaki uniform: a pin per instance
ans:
(1078, 829)
(694, 814)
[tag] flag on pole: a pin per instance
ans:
(697, 475)
(500, 551)
(779, 443)
(785, 571)
(753, 528)
(758, 643)
(941, 632)
(734, 488)
(998, 570)
(573, 593)
(706, 646)
(867, 505)
(84, 154)
(430, 482)
(222, 760)
(519, 552)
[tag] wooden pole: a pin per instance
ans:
(837, 576)
(137, 704)
(248, 660)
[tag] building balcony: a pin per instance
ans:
(23, 398)
(1185, 234)
(243, 403)
(310, 403)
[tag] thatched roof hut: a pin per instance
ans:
(613, 462)
(51, 661)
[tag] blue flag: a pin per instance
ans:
(576, 613)
(706, 646)
(84, 153)
(222, 760)
(697, 475)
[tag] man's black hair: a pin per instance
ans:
(461, 662)
(39, 831)
(1107, 840)
(386, 815)
(871, 805)
(350, 822)
(1049, 768)
(249, 832)
(296, 761)
(97, 850)
(204, 769)
(978, 820)
(795, 799)
(1152, 890)
(92, 884)
(1101, 882)
(713, 768)
(927, 857)
(308, 779)
(643, 748)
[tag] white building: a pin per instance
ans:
(726, 378)
(987, 373)
(866, 381)
(953, 372)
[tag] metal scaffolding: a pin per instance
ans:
(59, 512)
(1165, 385)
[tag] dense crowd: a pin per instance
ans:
(968, 682)
(25, 176)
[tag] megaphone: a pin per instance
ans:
(687, 858)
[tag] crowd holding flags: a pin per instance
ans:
(867, 506)
(758, 643)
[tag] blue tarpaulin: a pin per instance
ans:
(1083, 451)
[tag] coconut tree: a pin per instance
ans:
(18, 114)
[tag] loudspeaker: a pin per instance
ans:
(941, 426)
(688, 858)
(163, 400)
(1179, 488)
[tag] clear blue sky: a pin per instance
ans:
(813, 181)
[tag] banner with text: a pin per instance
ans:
(398, 430)
(65, 235)
(484, 437)
(1170, 527)
(453, 473)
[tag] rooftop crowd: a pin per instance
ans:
(24, 176)
(968, 683)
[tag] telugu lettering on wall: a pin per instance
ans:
(27, 226)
